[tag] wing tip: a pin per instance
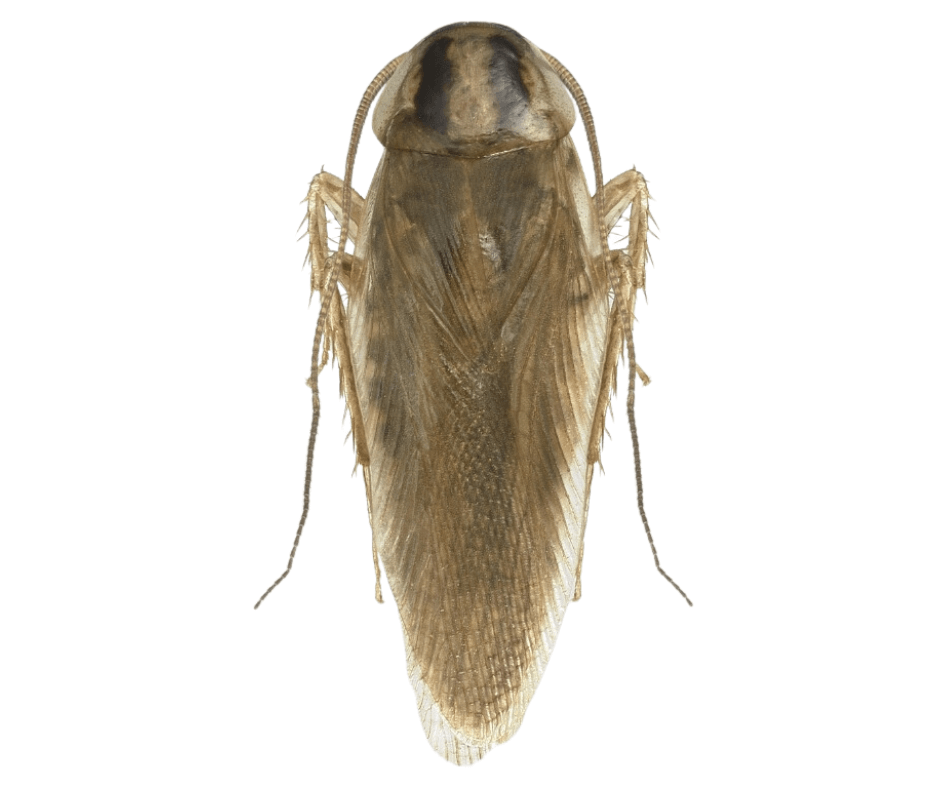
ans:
(444, 740)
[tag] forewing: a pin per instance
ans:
(478, 325)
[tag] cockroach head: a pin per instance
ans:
(473, 89)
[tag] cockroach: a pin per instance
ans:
(477, 349)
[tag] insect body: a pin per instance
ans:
(477, 354)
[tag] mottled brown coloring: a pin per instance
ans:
(477, 351)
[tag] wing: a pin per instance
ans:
(478, 327)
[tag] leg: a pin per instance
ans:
(326, 192)
(626, 191)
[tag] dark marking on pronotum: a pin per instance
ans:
(433, 94)
(510, 93)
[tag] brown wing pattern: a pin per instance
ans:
(478, 322)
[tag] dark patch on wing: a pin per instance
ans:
(433, 93)
(446, 257)
(512, 96)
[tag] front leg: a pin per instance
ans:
(326, 192)
(625, 192)
(628, 191)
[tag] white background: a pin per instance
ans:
(156, 337)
